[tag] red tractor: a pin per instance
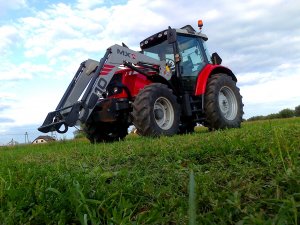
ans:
(165, 89)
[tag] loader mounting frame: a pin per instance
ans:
(91, 81)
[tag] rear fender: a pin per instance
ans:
(207, 71)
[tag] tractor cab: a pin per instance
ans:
(184, 51)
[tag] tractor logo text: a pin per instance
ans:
(126, 54)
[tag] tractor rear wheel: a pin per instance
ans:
(156, 111)
(222, 103)
(105, 132)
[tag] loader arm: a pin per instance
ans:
(90, 82)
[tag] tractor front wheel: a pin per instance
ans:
(156, 111)
(222, 103)
(105, 132)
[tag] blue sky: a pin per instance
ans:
(42, 44)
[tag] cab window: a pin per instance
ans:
(192, 59)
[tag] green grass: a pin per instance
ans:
(239, 176)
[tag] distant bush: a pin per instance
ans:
(297, 111)
(254, 118)
(286, 113)
(272, 116)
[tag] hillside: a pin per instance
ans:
(246, 176)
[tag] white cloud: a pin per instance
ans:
(247, 79)
(274, 90)
(88, 4)
(31, 104)
(11, 5)
(60, 30)
(6, 96)
(25, 70)
(8, 36)
(212, 15)
(270, 92)
(42, 101)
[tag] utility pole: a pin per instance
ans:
(26, 138)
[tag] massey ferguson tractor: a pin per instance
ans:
(165, 89)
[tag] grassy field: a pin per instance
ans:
(239, 176)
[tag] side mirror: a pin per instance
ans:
(216, 59)
(171, 35)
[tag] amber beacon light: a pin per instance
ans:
(200, 24)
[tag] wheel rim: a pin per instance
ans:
(163, 113)
(228, 103)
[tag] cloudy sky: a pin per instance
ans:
(42, 43)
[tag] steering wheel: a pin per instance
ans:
(170, 63)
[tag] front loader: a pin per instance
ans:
(165, 89)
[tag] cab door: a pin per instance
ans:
(193, 59)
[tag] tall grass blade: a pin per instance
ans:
(192, 199)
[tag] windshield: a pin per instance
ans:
(160, 51)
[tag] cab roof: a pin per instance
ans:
(162, 36)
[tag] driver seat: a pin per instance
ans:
(187, 67)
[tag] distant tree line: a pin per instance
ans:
(285, 113)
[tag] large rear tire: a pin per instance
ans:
(222, 103)
(156, 111)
